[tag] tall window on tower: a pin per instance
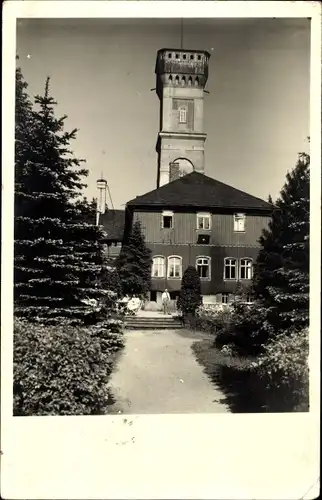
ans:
(182, 115)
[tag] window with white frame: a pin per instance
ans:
(224, 298)
(204, 221)
(239, 223)
(167, 219)
(158, 267)
(203, 267)
(246, 269)
(182, 115)
(230, 268)
(174, 267)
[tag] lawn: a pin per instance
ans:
(244, 390)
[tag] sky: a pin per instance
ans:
(102, 71)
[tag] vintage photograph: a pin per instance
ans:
(161, 216)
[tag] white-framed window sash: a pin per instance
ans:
(158, 266)
(203, 266)
(174, 267)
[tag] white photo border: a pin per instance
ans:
(211, 456)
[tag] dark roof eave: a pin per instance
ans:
(218, 208)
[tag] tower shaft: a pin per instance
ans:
(181, 79)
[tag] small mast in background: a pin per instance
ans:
(102, 197)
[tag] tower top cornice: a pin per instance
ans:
(177, 50)
(189, 64)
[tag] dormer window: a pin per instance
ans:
(182, 115)
(239, 223)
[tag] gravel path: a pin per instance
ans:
(157, 373)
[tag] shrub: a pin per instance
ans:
(63, 370)
(190, 298)
(213, 319)
(246, 329)
(284, 364)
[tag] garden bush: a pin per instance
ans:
(246, 329)
(284, 365)
(63, 370)
(190, 298)
(213, 319)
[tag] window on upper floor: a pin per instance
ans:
(203, 267)
(167, 220)
(239, 223)
(230, 268)
(204, 221)
(158, 267)
(174, 266)
(246, 269)
(182, 115)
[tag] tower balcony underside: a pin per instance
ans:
(164, 134)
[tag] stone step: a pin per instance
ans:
(152, 323)
(152, 326)
(169, 321)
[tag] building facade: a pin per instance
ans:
(190, 218)
(196, 220)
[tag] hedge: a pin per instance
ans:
(63, 370)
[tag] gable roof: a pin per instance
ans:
(199, 190)
(113, 223)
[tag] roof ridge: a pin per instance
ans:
(236, 189)
(199, 189)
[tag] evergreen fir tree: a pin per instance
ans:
(57, 251)
(281, 278)
(134, 264)
(24, 126)
(190, 294)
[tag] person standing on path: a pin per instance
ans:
(165, 301)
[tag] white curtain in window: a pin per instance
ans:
(246, 269)
(174, 267)
(158, 267)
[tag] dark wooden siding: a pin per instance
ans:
(189, 254)
(185, 231)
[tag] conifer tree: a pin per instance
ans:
(190, 294)
(281, 278)
(134, 264)
(57, 251)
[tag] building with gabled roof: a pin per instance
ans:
(199, 190)
(190, 218)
